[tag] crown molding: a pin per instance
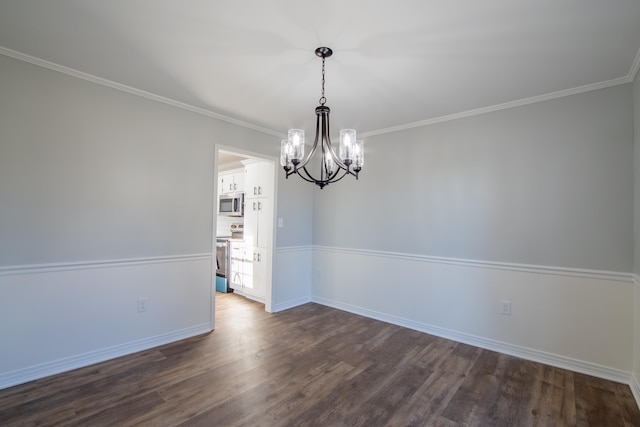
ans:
(507, 105)
(470, 113)
(131, 90)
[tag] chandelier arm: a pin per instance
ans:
(308, 176)
(290, 172)
(332, 176)
(323, 140)
(324, 182)
(329, 175)
(332, 152)
(337, 175)
(308, 157)
(344, 173)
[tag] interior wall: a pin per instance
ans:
(103, 191)
(293, 265)
(542, 191)
(548, 184)
(90, 173)
(636, 157)
(556, 317)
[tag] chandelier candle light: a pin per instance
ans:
(333, 167)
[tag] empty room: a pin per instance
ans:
(319, 213)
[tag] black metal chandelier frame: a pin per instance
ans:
(332, 167)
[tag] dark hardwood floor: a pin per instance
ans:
(317, 366)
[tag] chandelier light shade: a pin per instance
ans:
(333, 166)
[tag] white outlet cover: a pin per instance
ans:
(143, 304)
(505, 307)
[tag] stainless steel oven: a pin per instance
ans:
(223, 257)
(223, 265)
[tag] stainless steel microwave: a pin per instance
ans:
(231, 204)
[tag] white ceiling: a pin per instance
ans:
(394, 64)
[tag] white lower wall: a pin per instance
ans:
(292, 277)
(577, 319)
(58, 317)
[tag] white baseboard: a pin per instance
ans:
(635, 388)
(255, 298)
(290, 304)
(22, 376)
(558, 361)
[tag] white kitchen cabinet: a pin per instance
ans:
(258, 227)
(258, 220)
(258, 180)
(238, 180)
(248, 270)
(258, 207)
(220, 185)
(231, 181)
(236, 273)
(259, 271)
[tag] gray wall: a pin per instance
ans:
(548, 184)
(295, 207)
(636, 157)
(91, 173)
(107, 197)
(87, 180)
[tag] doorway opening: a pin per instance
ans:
(243, 224)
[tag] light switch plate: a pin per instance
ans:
(505, 307)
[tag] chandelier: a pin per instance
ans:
(333, 167)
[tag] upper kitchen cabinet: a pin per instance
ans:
(258, 212)
(231, 181)
(258, 180)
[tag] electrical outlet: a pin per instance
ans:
(505, 307)
(280, 223)
(143, 304)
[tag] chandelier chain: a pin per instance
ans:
(323, 99)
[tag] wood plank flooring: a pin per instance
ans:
(316, 366)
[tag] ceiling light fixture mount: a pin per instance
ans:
(333, 167)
